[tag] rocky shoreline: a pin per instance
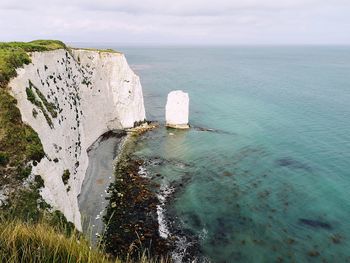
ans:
(137, 217)
(131, 215)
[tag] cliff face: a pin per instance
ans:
(70, 99)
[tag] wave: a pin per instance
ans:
(143, 172)
(165, 191)
(184, 245)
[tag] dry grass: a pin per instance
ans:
(23, 242)
(34, 243)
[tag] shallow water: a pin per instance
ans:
(272, 183)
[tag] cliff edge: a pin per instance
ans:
(70, 98)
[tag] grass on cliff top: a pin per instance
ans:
(108, 50)
(44, 243)
(36, 45)
(14, 55)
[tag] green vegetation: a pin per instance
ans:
(35, 113)
(30, 231)
(24, 172)
(39, 181)
(33, 95)
(41, 242)
(65, 176)
(19, 143)
(32, 98)
(99, 50)
(14, 55)
(3, 158)
(48, 105)
(26, 204)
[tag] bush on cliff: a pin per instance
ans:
(19, 143)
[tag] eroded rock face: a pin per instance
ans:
(80, 95)
(177, 110)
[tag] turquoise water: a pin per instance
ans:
(272, 184)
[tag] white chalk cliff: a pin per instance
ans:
(177, 110)
(91, 92)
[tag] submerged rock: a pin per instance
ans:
(315, 223)
(292, 163)
(176, 110)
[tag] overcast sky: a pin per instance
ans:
(178, 21)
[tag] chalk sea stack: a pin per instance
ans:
(177, 109)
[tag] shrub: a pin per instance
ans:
(24, 171)
(39, 181)
(41, 102)
(34, 149)
(35, 113)
(65, 176)
(19, 143)
(32, 98)
(4, 159)
(25, 204)
(51, 108)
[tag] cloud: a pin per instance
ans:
(190, 8)
(170, 7)
(179, 22)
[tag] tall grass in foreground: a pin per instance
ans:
(34, 243)
(24, 242)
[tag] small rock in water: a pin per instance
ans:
(177, 110)
(171, 134)
(313, 253)
(336, 238)
(227, 173)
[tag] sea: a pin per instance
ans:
(263, 174)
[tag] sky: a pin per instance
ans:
(178, 22)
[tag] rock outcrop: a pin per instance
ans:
(177, 110)
(70, 98)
